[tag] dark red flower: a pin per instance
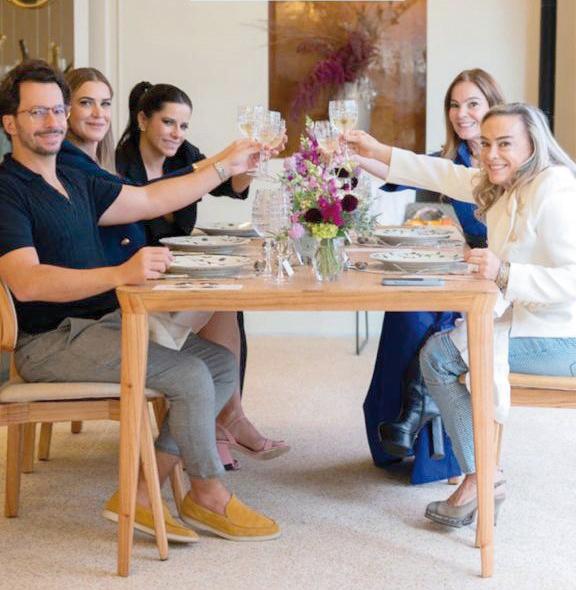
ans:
(349, 203)
(313, 215)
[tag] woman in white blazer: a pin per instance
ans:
(526, 191)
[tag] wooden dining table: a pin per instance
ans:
(353, 291)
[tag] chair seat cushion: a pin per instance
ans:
(542, 382)
(37, 392)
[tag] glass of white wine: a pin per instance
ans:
(327, 136)
(247, 117)
(344, 116)
(268, 128)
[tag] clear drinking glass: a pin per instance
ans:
(270, 218)
(327, 136)
(344, 116)
(247, 117)
(267, 131)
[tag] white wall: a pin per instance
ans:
(217, 51)
(500, 36)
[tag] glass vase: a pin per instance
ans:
(328, 260)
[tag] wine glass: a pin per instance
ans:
(269, 219)
(247, 117)
(344, 116)
(327, 136)
(267, 130)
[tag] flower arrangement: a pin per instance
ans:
(323, 203)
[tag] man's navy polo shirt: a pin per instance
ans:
(63, 231)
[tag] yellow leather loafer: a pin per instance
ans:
(239, 523)
(144, 521)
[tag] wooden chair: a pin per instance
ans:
(536, 391)
(22, 405)
(539, 391)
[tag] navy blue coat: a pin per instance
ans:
(120, 241)
(403, 334)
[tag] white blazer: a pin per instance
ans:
(533, 229)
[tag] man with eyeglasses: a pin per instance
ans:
(52, 260)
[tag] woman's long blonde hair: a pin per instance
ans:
(489, 88)
(546, 152)
(75, 79)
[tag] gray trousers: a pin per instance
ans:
(197, 380)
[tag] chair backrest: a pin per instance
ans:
(8, 321)
(8, 329)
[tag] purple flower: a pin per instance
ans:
(296, 231)
(349, 203)
(332, 187)
(313, 216)
(301, 168)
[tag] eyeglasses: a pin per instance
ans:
(60, 111)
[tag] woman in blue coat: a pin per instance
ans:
(397, 410)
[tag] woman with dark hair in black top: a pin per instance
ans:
(152, 146)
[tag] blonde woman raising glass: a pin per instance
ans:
(525, 189)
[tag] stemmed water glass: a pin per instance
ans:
(270, 212)
(344, 116)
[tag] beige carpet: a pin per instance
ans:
(346, 524)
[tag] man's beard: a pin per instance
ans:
(27, 141)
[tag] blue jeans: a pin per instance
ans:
(441, 365)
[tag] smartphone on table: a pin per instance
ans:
(413, 282)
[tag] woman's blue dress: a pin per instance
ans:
(403, 334)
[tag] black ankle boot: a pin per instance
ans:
(418, 408)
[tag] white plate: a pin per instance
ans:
(410, 235)
(413, 259)
(208, 264)
(205, 243)
(243, 230)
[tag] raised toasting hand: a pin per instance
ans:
(363, 144)
(241, 155)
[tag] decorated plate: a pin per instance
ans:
(208, 264)
(205, 243)
(412, 259)
(243, 230)
(410, 235)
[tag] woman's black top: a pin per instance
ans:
(130, 166)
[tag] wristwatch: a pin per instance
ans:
(219, 167)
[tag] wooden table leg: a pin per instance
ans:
(134, 358)
(481, 352)
(150, 468)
